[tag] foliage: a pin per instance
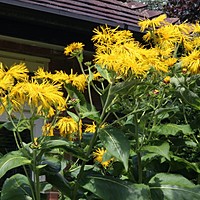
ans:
(183, 9)
(138, 140)
(154, 4)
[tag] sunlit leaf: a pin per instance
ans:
(116, 144)
(165, 186)
(16, 187)
(12, 160)
(109, 188)
(162, 150)
(172, 129)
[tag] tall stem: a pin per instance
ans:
(83, 166)
(36, 175)
(137, 150)
(91, 145)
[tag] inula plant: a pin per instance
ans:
(138, 139)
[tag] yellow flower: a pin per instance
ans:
(166, 79)
(170, 61)
(98, 156)
(40, 96)
(47, 130)
(60, 76)
(192, 62)
(152, 23)
(90, 128)
(67, 126)
(96, 76)
(41, 74)
(75, 47)
(79, 81)
(19, 72)
(196, 27)
(6, 83)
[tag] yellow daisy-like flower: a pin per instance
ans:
(67, 126)
(6, 83)
(79, 81)
(196, 27)
(47, 130)
(19, 72)
(74, 48)
(41, 74)
(167, 79)
(90, 128)
(40, 96)
(152, 23)
(192, 62)
(60, 77)
(170, 61)
(98, 156)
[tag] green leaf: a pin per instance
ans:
(65, 145)
(16, 188)
(162, 150)
(90, 112)
(73, 115)
(190, 97)
(124, 87)
(52, 164)
(104, 72)
(109, 188)
(12, 160)
(58, 181)
(19, 125)
(74, 93)
(171, 186)
(172, 129)
(116, 144)
(186, 164)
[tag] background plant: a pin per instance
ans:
(125, 128)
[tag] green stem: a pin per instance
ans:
(137, 150)
(90, 94)
(139, 167)
(91, 145)
(83, 166)
(36, 175)
(106, 103)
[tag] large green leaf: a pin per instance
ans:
(16, 187)
(186, 164)
(171, 186)
(51, 164)
(172, 129)
(190, 97)
(58, 181)
(65, 145)
(90, 112)
(109, 188)
(162, 150)
(12, 160)
(116, 144)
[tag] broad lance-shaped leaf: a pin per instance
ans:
(116, 144)
(65, 145)
(108, 188)
(186, 164)
(59, 182)
(172, 129)
(165, 186)
(16, 187)
(12, 160)
(162, 150)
